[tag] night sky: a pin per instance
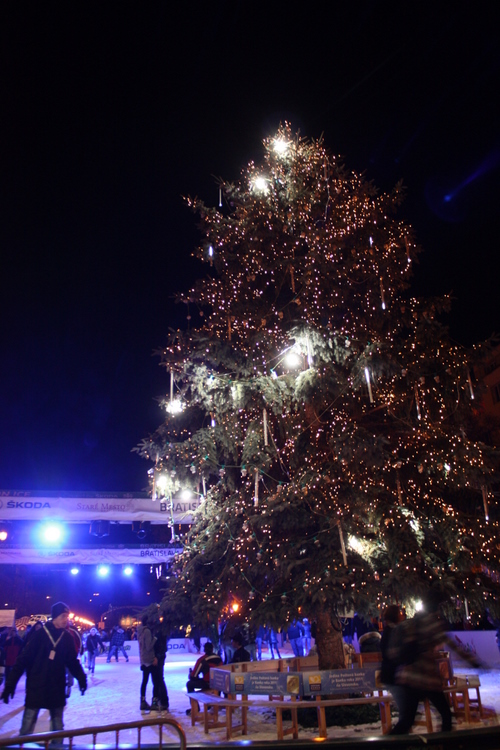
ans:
(111, 111)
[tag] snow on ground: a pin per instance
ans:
(114, 691)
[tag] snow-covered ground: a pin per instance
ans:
(113, 696)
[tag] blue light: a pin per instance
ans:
(127, 570)
(102, 571)
(51, 533)
(74, 571)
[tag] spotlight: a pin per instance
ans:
(140, 528)
(51, 533)
(74, 571)
(102, 571)
(127, 570)
(3, 534)
(99, 528)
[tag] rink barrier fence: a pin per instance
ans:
(46, 738)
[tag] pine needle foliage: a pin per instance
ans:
(325, 410)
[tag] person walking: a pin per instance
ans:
(414, 643)
(148, 660)
(44, 659)
(391, 617)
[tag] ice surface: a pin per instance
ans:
(113, 696)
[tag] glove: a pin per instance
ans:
(7, 693)
(83, 684)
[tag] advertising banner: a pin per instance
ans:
(340, 681)
(220, 679)
(86, 507)
(480, 644)
(256, 683)
(142, 555)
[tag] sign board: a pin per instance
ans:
(257, 683)
(336, 681)
(7, 618)
(86, 507)
(143, 555)
(220, 679)
(480, 644)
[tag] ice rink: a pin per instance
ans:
(114, 691)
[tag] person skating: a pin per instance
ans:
(93, 647)
(147, 657)
(44, 659)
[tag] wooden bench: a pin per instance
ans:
(213, 703)
(463, 705)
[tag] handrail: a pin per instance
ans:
(48, 737)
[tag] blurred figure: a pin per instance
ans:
(240, 653)
(259, 639)
(12, 646)
(307, 635)
(391, 617)
(413, 646)
(295, 634)
(273, 643)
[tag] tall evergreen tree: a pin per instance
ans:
(321, 410)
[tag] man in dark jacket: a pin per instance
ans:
(44, 659)
(117, 644)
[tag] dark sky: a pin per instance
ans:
(113, 110)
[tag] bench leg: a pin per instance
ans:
(385, 716)
(279, 723)
(428, 716)
(195, 711)
(322, 722)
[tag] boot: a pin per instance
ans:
(155, 705)
(145, 705)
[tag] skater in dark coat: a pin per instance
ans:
(44, 659)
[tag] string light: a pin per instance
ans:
(307, 255)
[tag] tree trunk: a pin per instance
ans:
(329, 641)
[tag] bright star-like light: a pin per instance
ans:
(293, 359)
(280, 146)
(175, 406)
(260, 184)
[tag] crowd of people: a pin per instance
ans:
(49, 651)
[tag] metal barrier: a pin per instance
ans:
(46, 738)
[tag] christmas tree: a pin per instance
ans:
(321, 412)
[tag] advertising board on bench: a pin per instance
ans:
(337, 681)
(256, 683)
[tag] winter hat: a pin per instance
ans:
(58, 608)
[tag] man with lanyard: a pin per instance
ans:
(44, 659)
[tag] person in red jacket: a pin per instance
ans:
(199, 675)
